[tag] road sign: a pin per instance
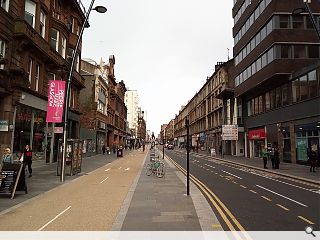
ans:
(229, 132)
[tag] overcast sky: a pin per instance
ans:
(165, 49)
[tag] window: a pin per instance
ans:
(30, 12)
(37, 77)
(273, 98)
(30, 70)
(269, 27)
(296, 90)
(249, 108)
(2, 51)
(278, 97)
(71, 28)
(285, 95)
(260, 103)
(51, 76)
(297, 21)
(267, 101)
(63, 47)
(264, 60)
(43, 17)
(101, 106)
(270, 55)
(4, 4)
(258, 64)
(313, 51)
(70, 55)
(256, 105)
(253, 68)
(263, 33)
(299, 51)
(283, 51)
(304, 89)
(284, 21)
(54, 43)
(313, 86)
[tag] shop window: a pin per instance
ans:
(304, 88)
(313, 84)
(299, 51)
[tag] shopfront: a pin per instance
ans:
(257, 140)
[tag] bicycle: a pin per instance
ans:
(155, 167)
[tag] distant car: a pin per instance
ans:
(170, 147)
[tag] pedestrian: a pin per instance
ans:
(103, 149)
(114, 148)
(6, 158)
(276, 156)
(313, 160)
(143, 145)
(27, 159)
(265, 155)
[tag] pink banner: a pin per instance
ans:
(56, 93)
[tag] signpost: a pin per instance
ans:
(230, 132)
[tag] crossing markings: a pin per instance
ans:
(234, 182)
(253, 191)
(243, 186)
(268, 199)
(284, 208)
(306, 220)
(107, 170)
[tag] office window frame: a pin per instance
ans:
(30, 10)
(42, 30)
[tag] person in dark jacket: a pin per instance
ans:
(276, 156)
(103, 149)
(27, 159)
(313, 160)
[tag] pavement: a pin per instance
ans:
(152, 203)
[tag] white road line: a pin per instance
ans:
(282, 196)
(107, 170)
(127, 169)
(104, 179)
(209, 166)
(231, 174)
(309, 190)
(54, 218)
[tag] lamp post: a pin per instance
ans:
(188, 175)
(307, 8)
(100, 9)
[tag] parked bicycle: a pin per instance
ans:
(156, 167)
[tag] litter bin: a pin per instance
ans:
(120, 152)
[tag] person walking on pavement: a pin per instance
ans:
(313, 160)
(103, 149)
(143, 145)
(265, 155)
(6, 158)
(276, 156)
(27, 159)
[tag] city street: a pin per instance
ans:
(248, 199)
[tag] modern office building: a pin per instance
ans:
(277, 71)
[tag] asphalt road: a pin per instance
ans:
(252, 200)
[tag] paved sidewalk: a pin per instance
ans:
(292, 170)
(161, 204)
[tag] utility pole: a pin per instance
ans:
(188, 174)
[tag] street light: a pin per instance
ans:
(100, 9)
(307, 9)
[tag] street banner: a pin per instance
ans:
(56, 93)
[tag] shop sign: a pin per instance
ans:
(302, 146)
(58, 129)
(257, 134)
(4, 125)
(230, 132)
(55, 105)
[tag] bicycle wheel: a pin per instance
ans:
(149, 169)
(160, 171)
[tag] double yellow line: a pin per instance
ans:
(230, 220)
